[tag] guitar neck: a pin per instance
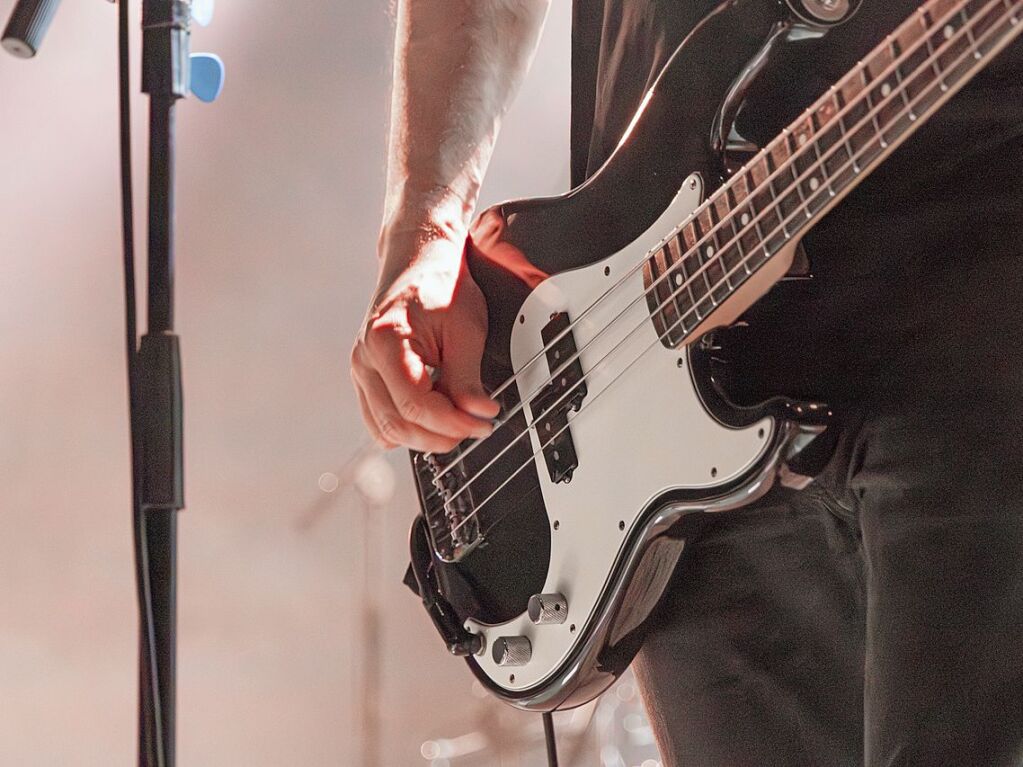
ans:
(815, 162)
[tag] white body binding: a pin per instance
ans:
(646, 434)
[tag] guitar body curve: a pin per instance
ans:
(656, 445)
(643, 420)
(542, 549)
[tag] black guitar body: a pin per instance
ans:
(682, 130)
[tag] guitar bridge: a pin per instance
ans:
(448, 505)
(564, 394)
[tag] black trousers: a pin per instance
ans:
(875, 618)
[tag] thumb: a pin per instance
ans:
(461, 356)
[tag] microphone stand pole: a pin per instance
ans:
(165, 78)
(154, 365)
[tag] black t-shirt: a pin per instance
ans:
(620, 46)
(916, 274)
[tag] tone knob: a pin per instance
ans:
(512, 651)
(546, 609)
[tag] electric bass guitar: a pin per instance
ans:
(541, 550)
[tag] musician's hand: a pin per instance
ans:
(429, 314)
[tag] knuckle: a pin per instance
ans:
(357, 357)
(367, 343)
(391, 430)
(410, 409)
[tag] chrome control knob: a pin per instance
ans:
(545, 609)
(512, 651)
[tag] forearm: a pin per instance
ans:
(457, 66)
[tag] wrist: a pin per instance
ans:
(408, 251)
(435, 212)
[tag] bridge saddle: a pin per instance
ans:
(448, 504)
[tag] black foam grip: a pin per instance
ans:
(29, 22)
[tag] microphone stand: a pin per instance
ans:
(154, 365)
(165, 79)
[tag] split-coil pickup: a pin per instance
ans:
(565, 393)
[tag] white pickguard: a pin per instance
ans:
(636, 436)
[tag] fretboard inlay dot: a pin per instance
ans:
(839, 138)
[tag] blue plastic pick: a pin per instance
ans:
(207, 76)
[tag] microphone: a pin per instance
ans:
(29, 22)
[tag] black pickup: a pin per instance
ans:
(564, 393)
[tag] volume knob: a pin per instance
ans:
(512, 651)
(546, 609)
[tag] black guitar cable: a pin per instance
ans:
(548, 735)
(149, 689)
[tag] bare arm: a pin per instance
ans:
(458, 64)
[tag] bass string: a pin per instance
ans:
(811, 169)
(827, 155)
(851, 162)
(465, 452)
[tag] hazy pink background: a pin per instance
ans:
(280, 185)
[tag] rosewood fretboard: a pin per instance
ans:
(818, 159)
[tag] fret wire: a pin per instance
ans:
(953, 54)
(710, 249)
(902, 89)
(879, 118)
(692, 242)
(827, 186)
(679, 258)
(721, 213)
(850, 105)
(660, 323)
(874, 121)
(773, 171)
(672, 301)
(929, 41)
(914, 70)
(736, 202)
(788, 137)
(792, 142)
(802, 161)
(755, 214)
(848, 149)
(701, 235)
